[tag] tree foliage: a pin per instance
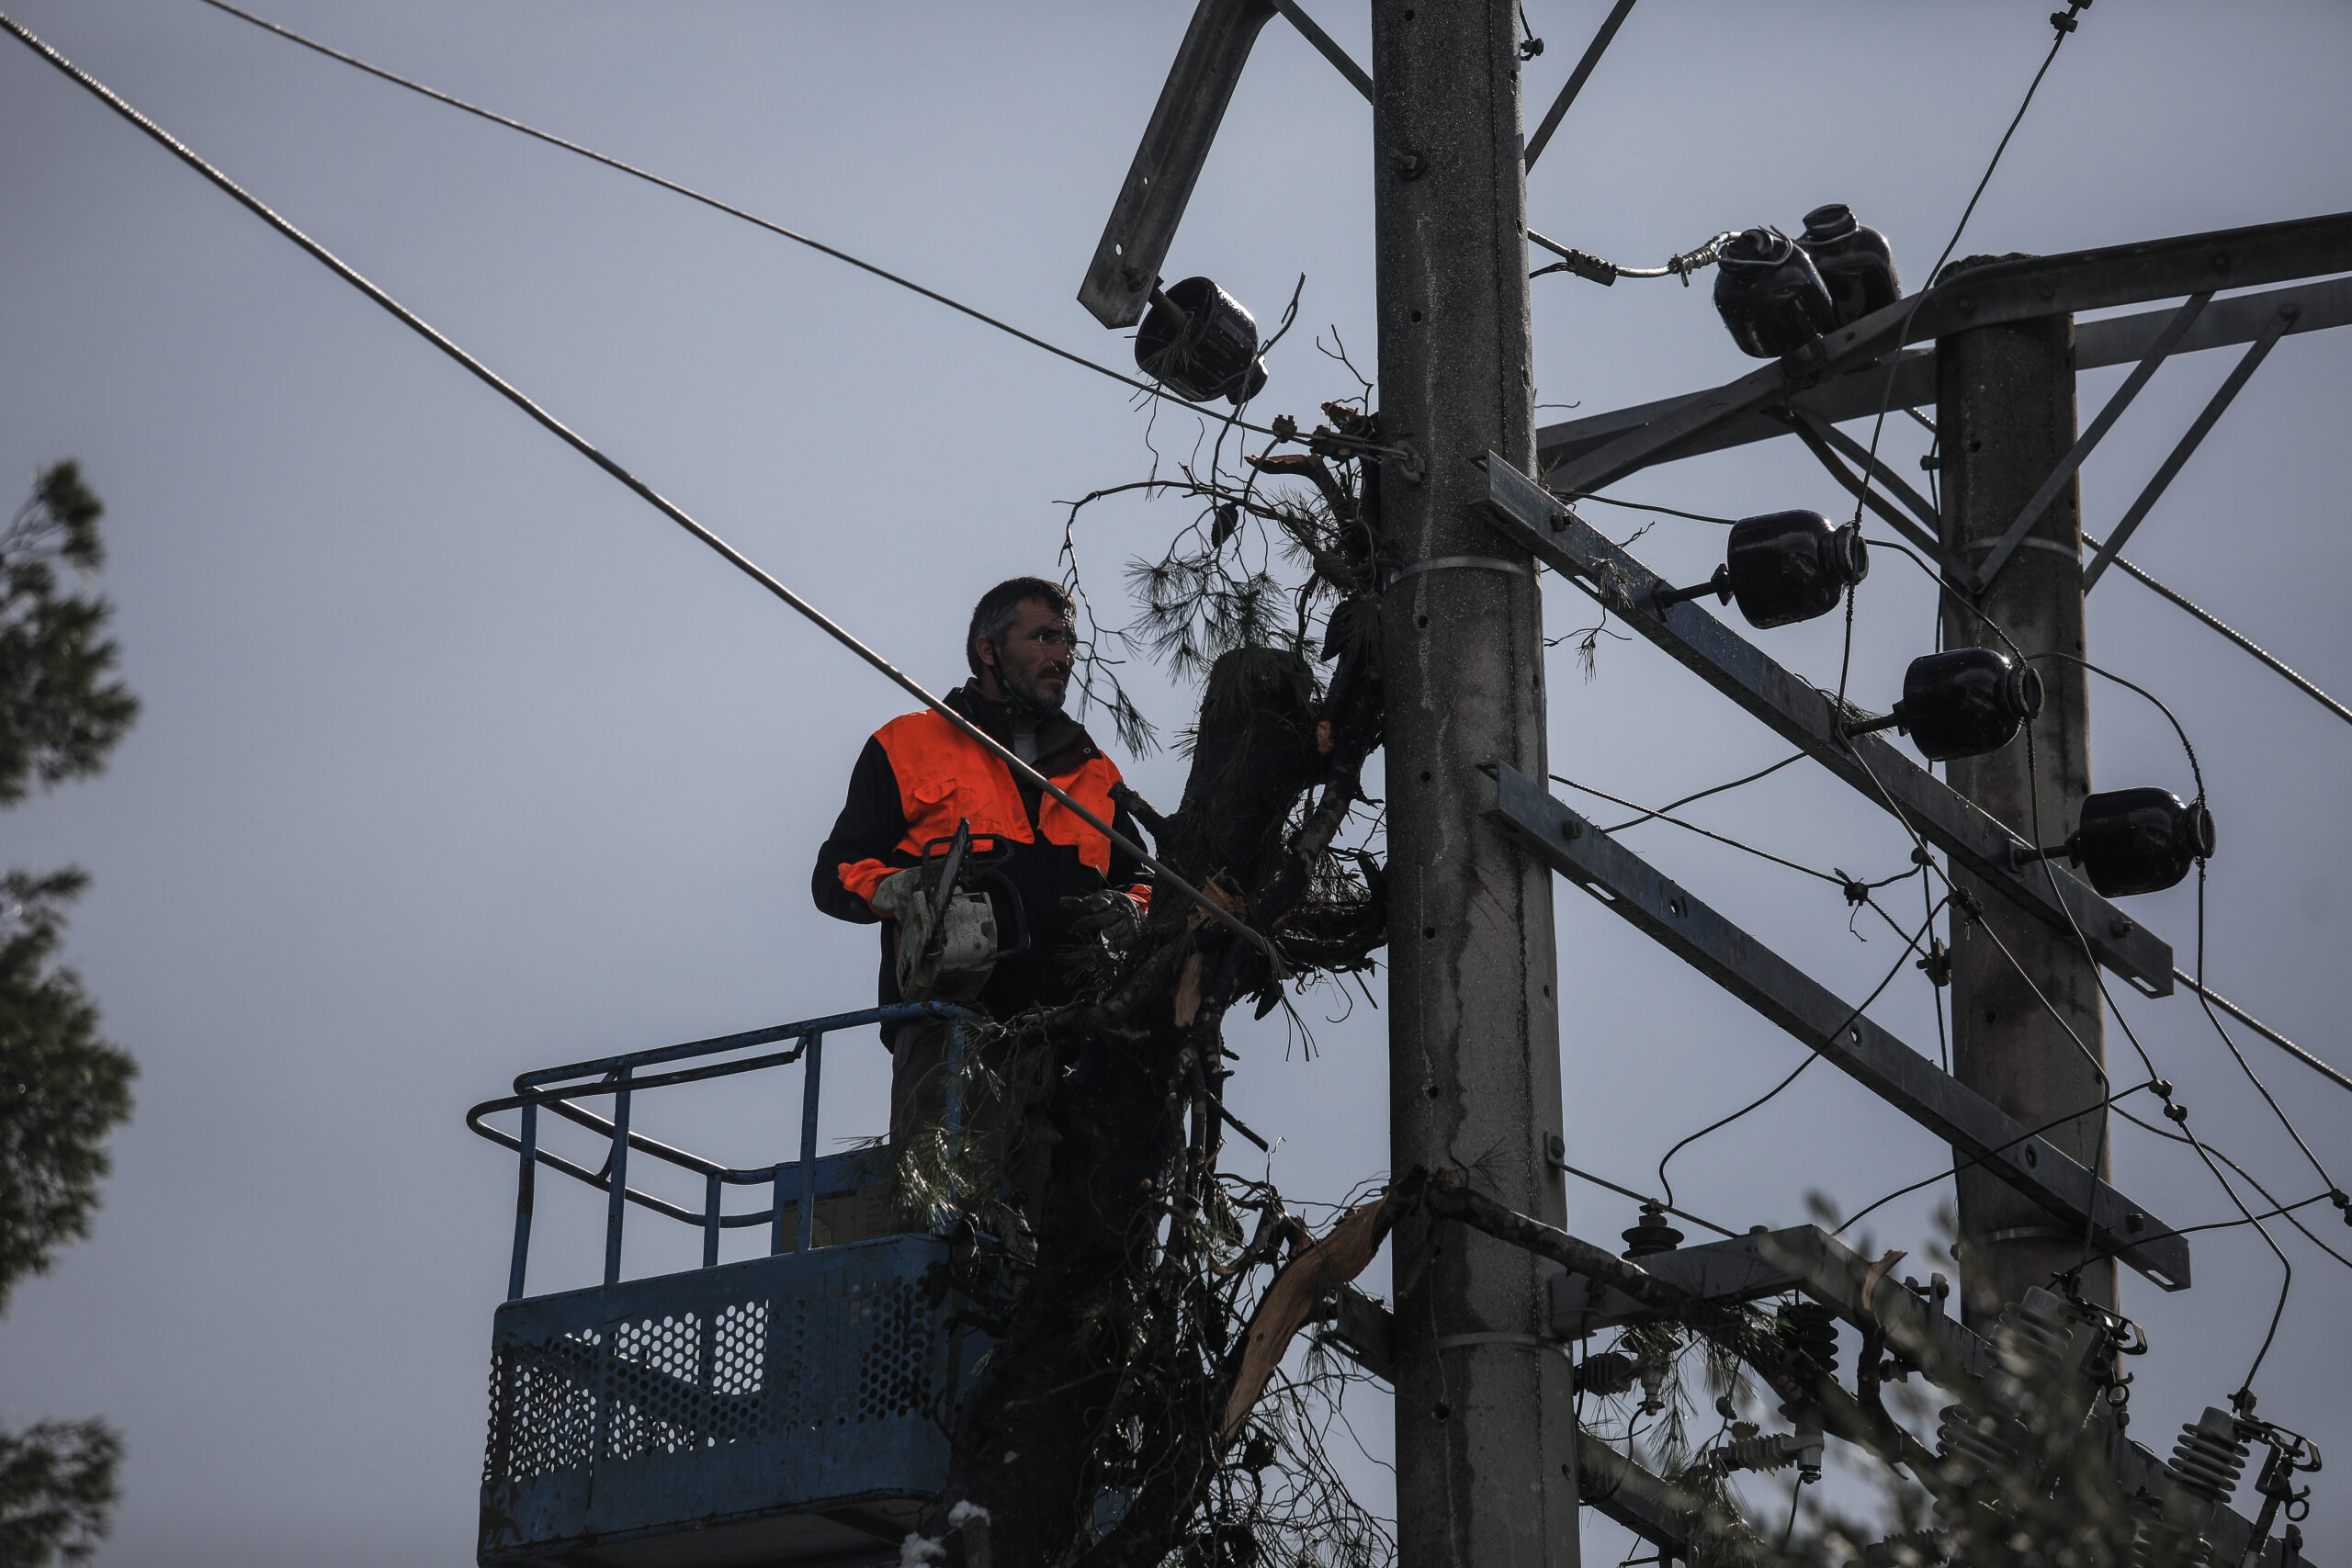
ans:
(57, 1490)
(66, 1088)
(63, 1087)
(60, 713)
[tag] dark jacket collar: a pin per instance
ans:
(1062, 741)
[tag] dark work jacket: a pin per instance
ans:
(874, 834)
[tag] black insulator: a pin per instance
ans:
(2139, 840)
(1809, 1332)
(1769, 296)
(1786, 566)
(1962, 703)
(1201, 342)
(1856, 265)
(1604, 1373)
(1651, 1234)
(2209, 1456)
(1765, 1451)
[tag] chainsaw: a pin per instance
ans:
(962, 888)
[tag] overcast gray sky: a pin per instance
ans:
(458, 761)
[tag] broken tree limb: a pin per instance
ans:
(1290, 1302)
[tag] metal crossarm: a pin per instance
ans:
(1842, 377)
(1768, 1263)
(1800, 712)
(1976, 1129)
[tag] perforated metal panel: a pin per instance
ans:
(780, 1410)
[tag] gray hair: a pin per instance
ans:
(994, 616)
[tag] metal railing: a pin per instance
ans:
(810, 1178)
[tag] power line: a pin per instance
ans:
(1603, 1182)
(1713, 789)
(1811, 1057)
(2251, 1180)
(2183, 977)
(1975, 1160)
(1660, 815)
(637, 487)
(691, 194)
(1668, 511)
(2064, 24)
(2277, 665)
(2198, 774)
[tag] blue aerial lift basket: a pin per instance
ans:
(788, 1409)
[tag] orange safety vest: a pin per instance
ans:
(945, 777)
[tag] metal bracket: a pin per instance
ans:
(2182, 320)
(1767, 1263)
(1534, 519)
(1363, 1331)
(2272, 331)
(1461, 563)
(1168, 162)
(1975, 1128)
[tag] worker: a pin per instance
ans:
(920, 777)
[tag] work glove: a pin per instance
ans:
(897, 892)
(1106, 912)
(903, 897)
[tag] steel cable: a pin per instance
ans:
(637, 487)
(691, 194)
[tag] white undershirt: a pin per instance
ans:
(1025, 748)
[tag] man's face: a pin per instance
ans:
(1032, 665)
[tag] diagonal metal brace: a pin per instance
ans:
(1168, 162)
(1577, 78)
(2272, 331)
(1801, 714)
(2159, 352)
(1328, 46)
(1922, 525)
(1977, 1130)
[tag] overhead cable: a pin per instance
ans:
(734, 211)
(2064, 24)
(644, 491)
(2277, 666)
(2235, 1012)
(1585, 264)
(2268, 1196)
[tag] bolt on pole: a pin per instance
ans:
(1485, 1459)
(2006, 416)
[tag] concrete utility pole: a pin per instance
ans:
(1485, 1457)
(2004, 398)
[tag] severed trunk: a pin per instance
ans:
(1087, 1368)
